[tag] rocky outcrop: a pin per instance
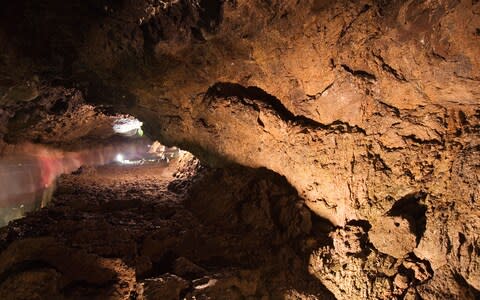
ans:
(54, 116)
(370, 109)
(354, 269)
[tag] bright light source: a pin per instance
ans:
(127, 125)
(119, 157)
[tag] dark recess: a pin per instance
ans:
(412, 208)
(359, 73)
(361, 223)
(222, 90)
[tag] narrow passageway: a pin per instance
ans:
(28, 172)
(336, 144)
(161, 230)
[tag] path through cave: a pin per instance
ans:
(163, 231)
(336, 144)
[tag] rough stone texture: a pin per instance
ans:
(392, 235)
(56, 116)
(370, 109)
(119, 233)
(442, 287)
(44, 267)
(350, 268)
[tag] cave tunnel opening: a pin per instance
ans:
(87, 178)
(30, 171)
(334, 149)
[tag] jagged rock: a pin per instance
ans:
(354, 277)
(348, 240)
(363, 106)
(442, 287)
(420, 270)
(44, 265)
(352, 269)
(401, 281)
(295, 295)
(347, 268)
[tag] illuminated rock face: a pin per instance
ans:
(370, 109)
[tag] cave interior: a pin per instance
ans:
(239, 149)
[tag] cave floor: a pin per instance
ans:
(131, 232)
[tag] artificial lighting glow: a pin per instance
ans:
(127, 125)
(119, 157)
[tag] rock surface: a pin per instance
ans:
(370, 109)
(118, 233)
(392, 236)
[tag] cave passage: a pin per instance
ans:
(112, 214)
(333, 149)
(156, 224)
(28, 175)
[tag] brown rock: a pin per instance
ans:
(354, 276)
(232, 285)
(393, 236)
(420, 269)
(26, 284)
(348, 240)
(441, 286)
(187, 269)
(358, 104)
(166, 287)
(106, 278)
(401, 281)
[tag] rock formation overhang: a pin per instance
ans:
(370, 109)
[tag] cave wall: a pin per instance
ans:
(370, 109)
